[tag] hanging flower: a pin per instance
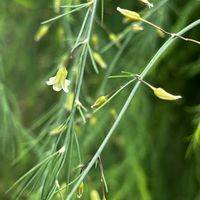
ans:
(59, 81)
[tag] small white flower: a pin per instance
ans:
(59, 81)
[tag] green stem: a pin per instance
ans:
(124, 108)
(170, 34)
(121, 50)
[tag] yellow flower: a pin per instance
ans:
(59, 81)
(134, 16)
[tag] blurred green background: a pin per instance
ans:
(154, 153)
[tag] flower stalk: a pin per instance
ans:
(134, 16)
(159, 92)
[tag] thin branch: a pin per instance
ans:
(124, 108)
(171, 34)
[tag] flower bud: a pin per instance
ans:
(134, 16)
(56, 5)
(162, 94)
(100, 61)
(42, 31)
(95, 41)
(115, 39)
(146, 2)
(69, 103)
(114, 114)
(125, 20)
(80, 190)
(100, 101)
(137, 28)
(93, 120)
(57, 130)
(94, 195)
(160, 33)
(159, 92)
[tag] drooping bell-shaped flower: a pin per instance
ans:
(59, 81)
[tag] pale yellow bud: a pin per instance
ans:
(60, 33)
(115, 39)
(56, 5)
(57, 130)
(146, 2)
(104, 198)
(80, 190)
(95, 41)
(134, 16)
(41, 32)
(90, 3)
(93, 120)
(62, 190)
(69, 103)
(137, 28)
(113, 112)
(100, 61)
(100, 101)
(125, 20)
(162, 94)
(160, 33)
(94, 195)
